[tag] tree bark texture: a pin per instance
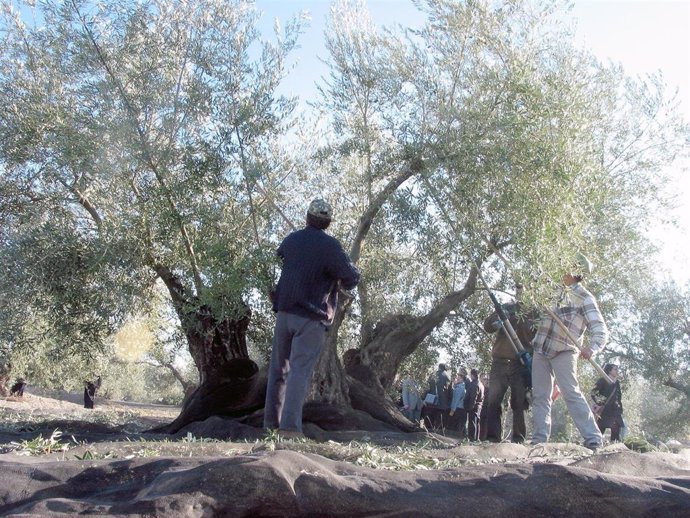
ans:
(329, 384)
(230, 382)
(397, 336)
(674, 384)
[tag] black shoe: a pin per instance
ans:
(594, 446)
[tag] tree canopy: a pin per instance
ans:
(146, 142)
(136, 142)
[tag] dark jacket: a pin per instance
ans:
(474, 396)
(18, 388)
(613, 408)
(523, 324)
(313, 264)
(441, 386)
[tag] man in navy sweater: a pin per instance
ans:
(305, 300)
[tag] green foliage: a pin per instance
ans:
(137, 141)
(396, 459)
(136, 381)
(146, 140)
(130, 381)
(664, 413)
(522, 143)
(48, 366)
(190, 438)
(87, 455)
(419, 366)
(654, 344)
(639, 444)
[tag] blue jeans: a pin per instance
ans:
(297, 344)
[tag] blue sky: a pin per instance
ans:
(643, 35)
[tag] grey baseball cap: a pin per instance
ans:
(320, 209)
(584, 264)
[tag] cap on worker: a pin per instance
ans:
(321, 209)
(583, 264)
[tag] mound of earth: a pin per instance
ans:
(115, 471)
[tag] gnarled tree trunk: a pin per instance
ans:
(397, 336)
(371, 369)
(230, 383)
(330, 384)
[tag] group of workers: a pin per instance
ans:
(554, 357)
(315, 267)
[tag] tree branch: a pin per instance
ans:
(685, 389)
(365, 221)
(176, 289)
(145, 148)
(83, 201)
(252, 210)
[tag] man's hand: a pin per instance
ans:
(587, 353)
(452, 412)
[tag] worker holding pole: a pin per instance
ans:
(556, 348)
(507, 371)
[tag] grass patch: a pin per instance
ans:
(41, 445)
(639, 444)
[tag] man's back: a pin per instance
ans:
(313, 263)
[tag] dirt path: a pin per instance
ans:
(50, 404)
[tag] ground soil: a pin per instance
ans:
(60, 459)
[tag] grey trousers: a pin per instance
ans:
(562, 366)
(297, 344)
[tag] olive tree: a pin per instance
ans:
(139, 141)
(484, 140)
(654, 345)
(145, 142)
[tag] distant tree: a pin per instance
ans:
(44, 365)
(656, 344)
(168, 350)
(5, 370)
